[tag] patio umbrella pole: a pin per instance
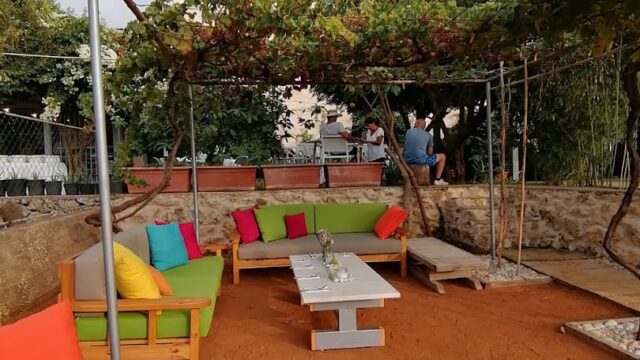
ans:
(103, 177)
(492, 224)
(194, 178)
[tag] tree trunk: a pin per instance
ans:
(631, 87)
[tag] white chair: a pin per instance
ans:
(334, 147)
(307, 150)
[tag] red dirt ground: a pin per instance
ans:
(261, 318)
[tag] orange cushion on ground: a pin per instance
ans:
(163, 285)
(389, 221)
(49, 335)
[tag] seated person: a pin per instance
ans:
(418, 150)
(373, 136)
(334, 127)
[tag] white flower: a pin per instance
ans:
(51, 110)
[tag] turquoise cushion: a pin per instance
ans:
(271, 222)
(199, 278)
(348, 218)
(166, 246)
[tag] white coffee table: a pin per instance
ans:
(367, 289)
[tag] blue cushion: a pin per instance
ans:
(166, 246)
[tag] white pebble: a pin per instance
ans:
(611, 323)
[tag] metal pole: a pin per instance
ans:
(194, 178)
(492, 224)
(103, 177)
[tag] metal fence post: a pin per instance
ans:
(194, 177)
(103, 177)
(492, 224)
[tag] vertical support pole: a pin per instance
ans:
(103, 177)
(492, 224)
(48, 139)
(194, 177)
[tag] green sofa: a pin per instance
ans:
(350, 224)
(195, 286)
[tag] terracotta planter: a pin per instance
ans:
(305, 176)
(226, 178)
(180, 179)
(354, 174)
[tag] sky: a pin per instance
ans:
(114, 12)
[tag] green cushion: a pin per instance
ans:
(198, 278)
(271, 222)
(348, 218)
(307, 209)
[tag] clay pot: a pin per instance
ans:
(304, 176)
(117, 187)
(180, 179)
(354, 174)
(226, 178)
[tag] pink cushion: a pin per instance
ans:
(247, 225)
(49, 334)
(188, 232)
(296, 225)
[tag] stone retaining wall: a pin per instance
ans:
(558, 217)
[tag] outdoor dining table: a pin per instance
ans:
(365, 289)
(317, 144)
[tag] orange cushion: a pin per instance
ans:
(49, 334)
(163, 285)
(389, 221)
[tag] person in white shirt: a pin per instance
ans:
(334, 127)
(373, 136)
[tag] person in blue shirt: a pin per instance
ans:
(418, 150)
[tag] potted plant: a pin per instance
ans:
(140, 179)
(53, 187)
(292, 176)
(226, 178)
(116, 182)
(393, 174)
(35, 185)
(354, 174)
(71, 185)
(86, 186)
(16, 186)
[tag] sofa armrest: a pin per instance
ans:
(400, 232)
(235, 237)
(165, 303)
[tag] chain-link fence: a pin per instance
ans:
(39, 157)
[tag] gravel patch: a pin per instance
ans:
(620, 334)
(506, 272)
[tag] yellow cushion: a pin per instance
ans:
(133, 278)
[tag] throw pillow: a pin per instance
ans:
(296, 225)
(246, 225)
(166, 246)
(389, 221)
(133, 278)
(161, 282)
(271, 221)
(188, 232)
(49, 334)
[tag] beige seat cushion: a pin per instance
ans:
(365, 244)
(280, 248)
(89, 266)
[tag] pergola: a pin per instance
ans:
(101, 140)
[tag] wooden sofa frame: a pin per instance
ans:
(238, 263)
(149, 348)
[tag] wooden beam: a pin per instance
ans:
(65, 274)
(194, 339)
(152, 327)
(165, 303)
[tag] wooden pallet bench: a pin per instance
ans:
(434, 260)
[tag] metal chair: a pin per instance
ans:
(334, 147)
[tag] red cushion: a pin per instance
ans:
(389, 221)
(247, 225)
(296, 225)
(188, 232)
(49, 334)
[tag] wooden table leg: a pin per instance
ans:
(474, 282)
